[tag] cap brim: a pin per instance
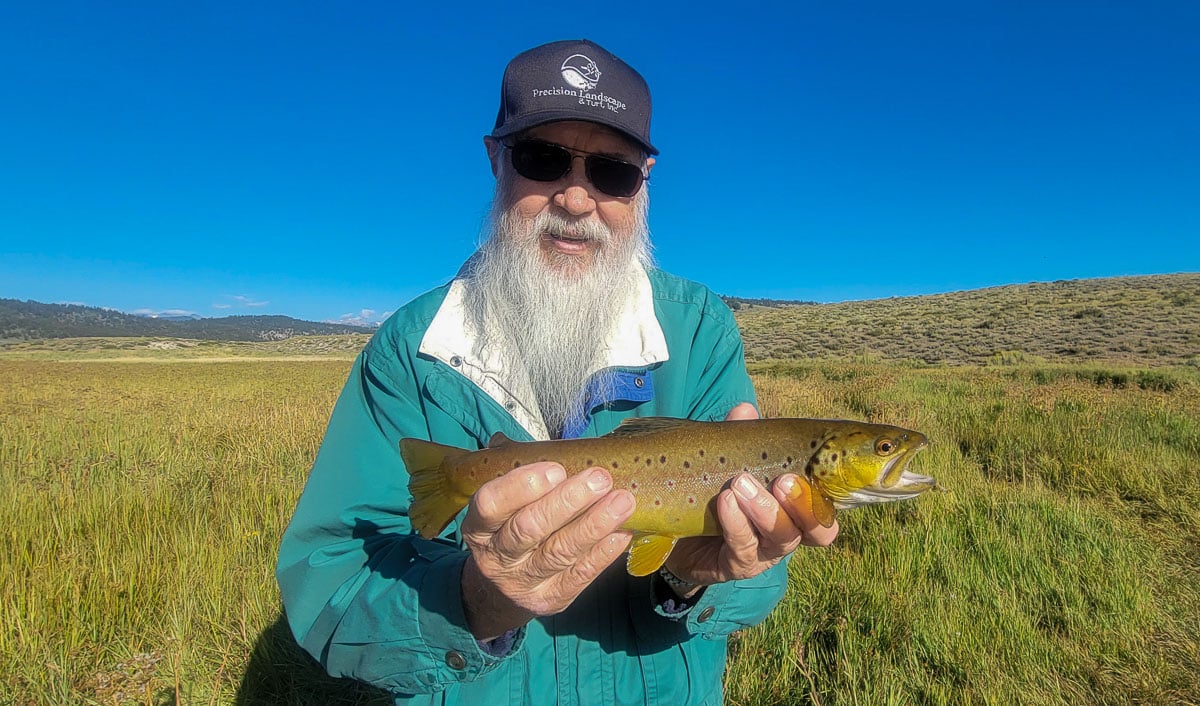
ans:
(523, 123)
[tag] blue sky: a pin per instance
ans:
(319, 159)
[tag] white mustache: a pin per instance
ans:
(558, 226)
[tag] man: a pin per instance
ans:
(559, 327)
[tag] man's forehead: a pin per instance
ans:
(582, 135)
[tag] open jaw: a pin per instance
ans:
(895, 483)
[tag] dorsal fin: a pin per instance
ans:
(638, 426)
(498, 439)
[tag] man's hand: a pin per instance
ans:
(759, 527)
(537, 539)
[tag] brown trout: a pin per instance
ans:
(675, 468)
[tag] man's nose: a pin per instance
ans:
(575, 193)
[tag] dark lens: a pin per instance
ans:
(614, 177)
(540, 161)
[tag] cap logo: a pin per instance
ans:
(580, 72)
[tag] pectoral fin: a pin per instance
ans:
(648, 552)
(822, 506)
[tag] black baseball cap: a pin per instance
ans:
(574, 79)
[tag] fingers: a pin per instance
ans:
(776, 533)
(496, 501)
(568, 548)
(535, 523)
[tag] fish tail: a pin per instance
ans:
(435, 499)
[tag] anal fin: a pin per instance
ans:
(648, 552)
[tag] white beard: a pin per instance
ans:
(550, 314)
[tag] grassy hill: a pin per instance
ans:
(1149, 320)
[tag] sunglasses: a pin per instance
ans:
(546, 161)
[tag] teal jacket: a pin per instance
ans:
(370, 599)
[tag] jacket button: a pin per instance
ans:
(638, 382)
(456, 361)
(705, 614)
(510, 405)
(456, 660)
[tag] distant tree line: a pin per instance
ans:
(25, 320)
(737, 303)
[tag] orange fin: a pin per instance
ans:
(435, 501)
(822, 506)
(648, 552)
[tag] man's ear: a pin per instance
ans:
(649, 164)
(493, 150)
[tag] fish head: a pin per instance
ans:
(868, 464)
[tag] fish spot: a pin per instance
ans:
(722, 460)
(589, 462)
(662, 459)
(812, 444)
(657, 502)
(687, 464)
(614, 464)
(516, 464)
(833, 458)
(691, 500)
(649, 462)
(764, 455)
(706, 477)
(789, 459)
(671, 484)
(702, 453)
(633, 485)
(637, 458)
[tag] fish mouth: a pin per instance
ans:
(896, 483)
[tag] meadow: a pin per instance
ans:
(141, 503)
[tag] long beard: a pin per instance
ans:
(549, 315)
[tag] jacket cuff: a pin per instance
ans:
(442, 623)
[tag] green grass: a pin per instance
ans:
(141, 507)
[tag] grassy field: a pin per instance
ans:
(141, 505)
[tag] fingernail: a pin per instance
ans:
(787, 483)
(555, 474)
(745, 488)
(621, 504)
(598, 480)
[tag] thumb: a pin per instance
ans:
(744, 410)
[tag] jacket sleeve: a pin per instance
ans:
(363, 595)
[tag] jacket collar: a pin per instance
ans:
(637, 342)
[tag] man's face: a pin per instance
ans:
(573, 196)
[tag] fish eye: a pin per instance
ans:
(885, 446)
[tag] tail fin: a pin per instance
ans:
(435, 499)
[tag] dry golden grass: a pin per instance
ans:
(142, 505)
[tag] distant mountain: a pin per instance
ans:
(25, 320)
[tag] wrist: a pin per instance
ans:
(489, 613)
(681, 587)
